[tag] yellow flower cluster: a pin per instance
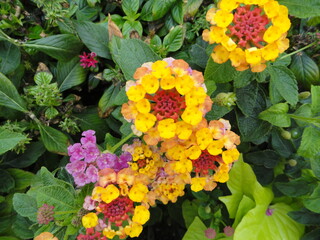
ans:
(248, 32)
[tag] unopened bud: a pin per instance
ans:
(292, 162)
(304, 95)
(286, 135)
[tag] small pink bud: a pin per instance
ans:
(210, 233)
(228, 231)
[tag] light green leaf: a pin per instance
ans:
(130, 26)
(62, 47)
(219, 73)
(25, 205)
(130, 7)
(177, 12)
(256, 224)
(192, 7)
(312, 202)
(245, 205)
(277, 115)
(8, 140)
(41, 78)
(9, 57)
(130, 54)
(284, 82)
(302, 9)
(94, 36)
(310, 144)
(315, 98)
(54, 140)
(70, 74)
(174, 39)
(47, 179)
(161, 7)
(196, 230)
(22, 178)
(9, 96)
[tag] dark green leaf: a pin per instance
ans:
(130, 54)
(313, 235)
(9, 57)
(62, 46)
(22, 178)
(161, 7)
(131, 26)
(315, 98)
(6, 181)
(249, 100)
(312, 202)
(5, 224)
(315, 165)
(310, 144)
(283, 82)
(146, 12)
(282, 146)
(198, 53)
(243, 78)
(294, 188)
(70, 74)
(54, 140)
(304, 216)
(219, 73)
(174, 40)
(189, 211)
(305, 70)
(177, 12)
(21, 227)
(25, 205)
(302, 9)
(217, 112)
(107, 100)
(267, 158)
(95, 37)
(277, 115)
(9, 96)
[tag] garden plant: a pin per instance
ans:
(159, 119)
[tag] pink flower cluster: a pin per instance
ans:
(45, 214)
(86, 160)
(88, 60)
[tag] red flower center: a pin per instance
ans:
(206, 162)
(117, 210)
(248, 27)
(168, 104)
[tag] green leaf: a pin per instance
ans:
(8, 140)
(192, 7)
(313, 235)
(47, 179)
(219, 73)
(130, 7)
(305, 70)
(41, 78)
(22, 178)
(25, 205)
(256, 224)
(161, 7)
(294, 188)
(245, 205)
(243, 78)
(198, 53)
(21, 228)
(302, 9)
(217, 112)
(312, 202)
(305, 216)
(130, 54)
(282, 146)
(310, 144)
(130, 26)
(107, 100)
(284, 82)
(9, 57)
(177, 12)
(267, 158)
(189, 211)
(70, 74)
(277, 115)
(94, 36)
(196, 230)
(315, 99)
(305, 112)
(146, 12)
(315, 165)
(62, 47)
(9, 96)
(6, 181)
(174, 39)
(54, 140)
(5, 224)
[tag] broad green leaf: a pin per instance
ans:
(107, 100)
(9, 96)
(62, 47)
(95, 37)
(196, 230)
(310, 144)
(313, 235)
(21, 227)
(294, 188)
(315, 165)
(256, 224)
(130, 26)
(302, 9)
(22, 178)
(277, 115)
(174, 39)
(9, 57)
(285, 84)
(217, 112)
(243, 78)
(177, 12)
(305, 216)
(304, 111)
(130, 7)
(5, 224)
(245, 205)
(6, 181)
(315, 98)
(232, 202)
(41, 78)
(54, 140)
(146, 12)
(282, 146)
(70, 74)
(305, 69)
(161, 7)
(219, 73)
(8, 140)
(130, 54)
(267, 158)
(25, 205)
(189, 211)
(192, 7)
(312, 202)
(198, 53)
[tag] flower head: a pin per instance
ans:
(249, 33)
(45, 214)
(88, 60)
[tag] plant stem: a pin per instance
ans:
(305, 119)
(122, 141)
(65, 212)
(299, 50)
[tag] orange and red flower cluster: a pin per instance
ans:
(248, 32)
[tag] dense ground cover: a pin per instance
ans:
(159, 119)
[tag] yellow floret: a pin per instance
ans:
(141, 214)
(253, 55)
(136, 93)
(167, 128)
(150, 83)
(143, 106)
(145, 121)
(223, 18)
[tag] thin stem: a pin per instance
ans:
(299, 50)
(65, 212)
(305, 119)
(122, 141)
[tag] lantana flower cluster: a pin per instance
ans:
(248, 32)
(178, 147)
